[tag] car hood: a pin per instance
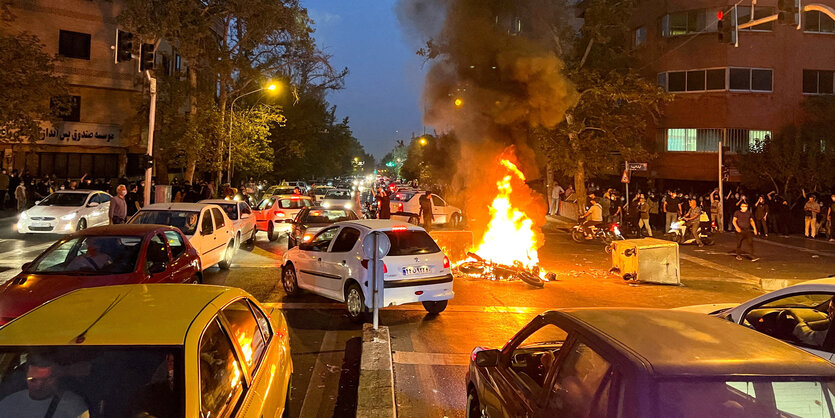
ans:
(27, 291)
(53, 211)
(707, 309)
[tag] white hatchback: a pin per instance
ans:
(207, 228)
(241, 216)
(66, 211)
(332, 265)
(405, 204)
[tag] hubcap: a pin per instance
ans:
(354, 302)
(289, 284)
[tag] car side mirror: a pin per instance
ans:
(487, 358)
(157, 267)
(92, 204)
(306, 246)
(25, 266)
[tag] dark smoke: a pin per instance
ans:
(499, 58)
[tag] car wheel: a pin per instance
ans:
(82, 224)
(414, 220)
(251, 239)
(227, 256)
(271, 232)
(289, 280)
(286, 413)
(195, 279)
(355, 301)
(435, 307)
(473, 406)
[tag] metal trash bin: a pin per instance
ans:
(647, 260)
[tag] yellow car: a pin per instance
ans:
(159, 350)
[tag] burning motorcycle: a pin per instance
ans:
(487, 269)
(606, 233)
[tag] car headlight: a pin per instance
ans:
(69, 217)
(348, 206)
(23, 215)
(326, 205)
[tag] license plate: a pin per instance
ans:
(415, 270)
(40, 224)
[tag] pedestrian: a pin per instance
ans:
(715, 198)
(761, 216)
(654, 212)
(692, 220)
(831, 216)
(132, 200)
(426, 210)
(383, 205)
(771, 200)
(784, 212)
(556, 199)
(606, 204)
(671, 208)
(4, 188)
(810, 212)
(14, 181)
(20, 196)
(118, 212)
(743, 223)
(643, 221)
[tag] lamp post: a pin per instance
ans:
(270, 87)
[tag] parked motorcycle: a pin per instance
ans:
(606, 233)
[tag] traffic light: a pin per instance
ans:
(124, 46)
(146, 57)
(787, 11)
(724, 27)
(146, 162)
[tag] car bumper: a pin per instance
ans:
(399, 292)
(56, 226)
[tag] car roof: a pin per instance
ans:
(220, 202)
(176, 206)
(79, 191)
(284, 196)
(676, 343)
(829, 281)
(152, 314)
(123, 229)
(381, 224)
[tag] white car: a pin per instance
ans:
(66, 211)
(405, 204)
(338, 199)
(332, 265)
(777, 313)
(207, 228)
(241, 216)
(320, 191)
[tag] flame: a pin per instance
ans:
(245, 342)
(510, 233)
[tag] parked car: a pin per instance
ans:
(311, 220)
(332, 265)
(275, 214)
(66, 211)
(779, 313)
(149, 351)
(405, 205)
(207, 228)
(101, 256)
(339, 198)
(240, 213)
(620, 362)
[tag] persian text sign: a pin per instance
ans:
(78, 133)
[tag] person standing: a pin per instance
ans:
(556, 199)
(691, 219)
(383, 205)
(761, 216)
(132, 200)
(811, 211)
(426, 210)
(643, 221)
(4, 188)
(743, 223)
(831, 215)
(14, 181)
(118, 212)
(715, 198)
(784, 211)
(20, 196)
(671, 207)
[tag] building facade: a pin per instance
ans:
(101, 135)
(742, 93)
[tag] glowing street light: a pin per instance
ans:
(422, 141)
(272, 87)
(459, 102)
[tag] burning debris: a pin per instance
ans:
(478, 267)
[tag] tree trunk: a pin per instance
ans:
(580, 187)
(191, 155)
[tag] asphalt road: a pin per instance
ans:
(431, 353)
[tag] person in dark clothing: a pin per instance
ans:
(383, 205)
(426, 210)
(132, 201)
(784, 214)
(743, 223)
(761, 216)
(14, 180)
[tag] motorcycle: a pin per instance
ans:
(606, 233)
(678, 231)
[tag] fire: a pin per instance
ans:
(509, 236)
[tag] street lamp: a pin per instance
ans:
(422, 141)
(459, 102)
(272, 86)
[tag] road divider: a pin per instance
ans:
(375, 394)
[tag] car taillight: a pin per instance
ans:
(365, 266)
(614, 227)
(398, 228)
(400, 207)
(446, 262)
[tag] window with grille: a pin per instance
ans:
(74, 45)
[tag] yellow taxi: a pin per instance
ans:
(158, 350)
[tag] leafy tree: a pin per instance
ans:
(252, 153)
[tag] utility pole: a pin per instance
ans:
(151, 118)
(721, 200)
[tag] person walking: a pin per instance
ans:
(715, 198)
(761, 216)
(671, 207)
(556, 196)
(118, 212)
(811, 211)
(643, 221)
(20, 196)
(743, 223)
(426, 210)
(383, 205)
(691, 220)
(654, 213)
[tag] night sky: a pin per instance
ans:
(382, 92)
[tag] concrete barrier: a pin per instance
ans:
(375, 394)
(454, 244)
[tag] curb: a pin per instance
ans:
(375, 394)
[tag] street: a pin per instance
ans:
(431, 353)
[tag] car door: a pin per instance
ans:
(210, 248)
(157, 261)
(336, 262)
(104, 208)
(221, 373)
(439, 210)
(223, 227)
(87, 211)
(181, 268)
(310, 270)
(245, 217)
(582, 384)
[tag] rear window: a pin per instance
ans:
(326, 216)
(338, 194)
(411, 243)
(293, 203)
(183, 219)
(403, 196)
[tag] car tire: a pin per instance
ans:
(289, 281)
(195, 279)
(271, 235)
(414, 220)
(355, 302)
(226, 262)
(82, 225)
(286, 413)
(473, 405)
(435, 307)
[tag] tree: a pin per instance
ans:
(252, 153)
(28, 84)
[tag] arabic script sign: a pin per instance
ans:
(77, 133)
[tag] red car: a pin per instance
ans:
(101, 256)
(275, 213)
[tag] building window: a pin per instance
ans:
(744, 16)
(676, 81)
(817, 22)
(755, 137)
(818, 82)
(165, 63)
(640, 36)
(662, 80)
(66, 108)
(716, 79)
(693, 80)
(178, 63)
(707, 140)
(748, 79)
(696, 80)
(682, 23)
(681, 140)
(74, 45)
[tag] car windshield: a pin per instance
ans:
(325, 216)
(411, 243)
(799, 397)
(184, 219)
(266, 203)
(92, 380)
(293, 203)
(64, 199)
(338, 194)
(403, 196)
(90, 255)
(231, 210)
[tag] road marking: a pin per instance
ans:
(330, 354)
(411, 307)
(795, 247)
(747, 278)
(431, 359)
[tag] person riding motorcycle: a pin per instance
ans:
(592, 218)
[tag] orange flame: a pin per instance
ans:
(510, 233)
